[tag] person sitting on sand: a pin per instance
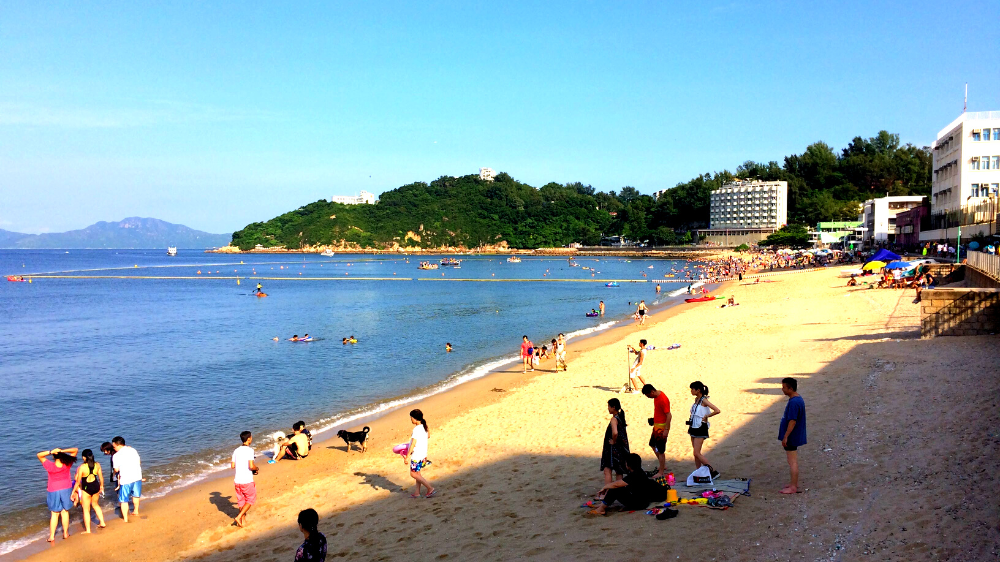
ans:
(296, 447)
(634, 492)
(852, 281)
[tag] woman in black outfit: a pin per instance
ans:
(615, 444)
(635, 492)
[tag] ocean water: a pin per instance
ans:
(174, 355)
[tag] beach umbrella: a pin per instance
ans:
(973, 245)
(898, 265)
(873, 265)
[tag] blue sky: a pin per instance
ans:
(214, 115)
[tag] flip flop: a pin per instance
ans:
(432, 494)
(272, 461)
(415, 496)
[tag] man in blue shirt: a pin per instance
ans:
(792, 431)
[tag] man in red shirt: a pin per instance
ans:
(661, 425)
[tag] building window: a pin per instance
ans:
(974, 163)
(975, 136)
(986, 134)
(994, 189)
(986, 162)
(996, 134)
(975, 190)
(996, 162)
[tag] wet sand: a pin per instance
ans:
(513, 467)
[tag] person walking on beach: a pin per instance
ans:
(313, 548)
(89, 488)
(59, 487)
(527, 351)
(126, 462)
(701, 410)
(416, 454)
(246, 490)
(635, 371)
(641, 311)
(792, 431)
(602, 308)
(561, 352)
(616, 448)
(661, 425)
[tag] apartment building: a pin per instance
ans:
(878, 217)
(966, 176)
(487, 174)
(749, 204)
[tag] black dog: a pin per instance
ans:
(360, 437)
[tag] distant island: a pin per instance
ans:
(132, 232)
(469, 212)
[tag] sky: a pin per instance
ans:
(217, 114)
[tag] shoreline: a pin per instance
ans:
(504, 370)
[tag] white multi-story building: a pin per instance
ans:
(966, 174)
(878, 216)
(363, 198)
(657, 194)
(745, 204)
(487, 174)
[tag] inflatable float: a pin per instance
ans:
(593, 314)
(702, 299)
(401, 449)
(611, 284)
(14, 279)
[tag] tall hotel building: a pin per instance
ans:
(750, 204)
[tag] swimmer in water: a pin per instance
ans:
(275, 338)
(353, 339)
(447, 347)
(305, 338)
(344, 342)
(294, 338)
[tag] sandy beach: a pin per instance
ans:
(903, 453)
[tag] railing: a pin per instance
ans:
(987, 263)
(982, 212)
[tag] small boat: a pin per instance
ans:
(513, 259)
(703, 299)
(427, 265)
(171, 250)
(611, 284)
(451, 262)
(327, 253)
(16, 279)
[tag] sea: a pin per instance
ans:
(177, 355)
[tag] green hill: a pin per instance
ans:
(469, 212)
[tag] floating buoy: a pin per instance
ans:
(136, 265)
(199, 272)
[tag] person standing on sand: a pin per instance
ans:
(701, 410)
(127, 463)
(527, 351)
(616, 448)
(59, 487)
(635, 371)
(89, 483)
(246, 490)
(792, 431)
(313, 548)
(661, 425)
(416, 454)
(602, 308)
(561, 352)
(113, 474)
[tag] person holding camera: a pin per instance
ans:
(701, 410)
(246, 490)
(661, 426)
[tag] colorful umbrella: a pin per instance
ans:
(873, 265)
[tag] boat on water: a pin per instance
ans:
(171, 250)
(327, 253)
(451, 262)
(513, 259)
(611, 284)
(427, 265)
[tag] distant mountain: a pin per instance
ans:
(133, 232)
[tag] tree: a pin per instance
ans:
(789, 236)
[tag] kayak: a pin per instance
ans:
(702, 299)
(14, 279)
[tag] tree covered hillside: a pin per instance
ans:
(466, 211)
